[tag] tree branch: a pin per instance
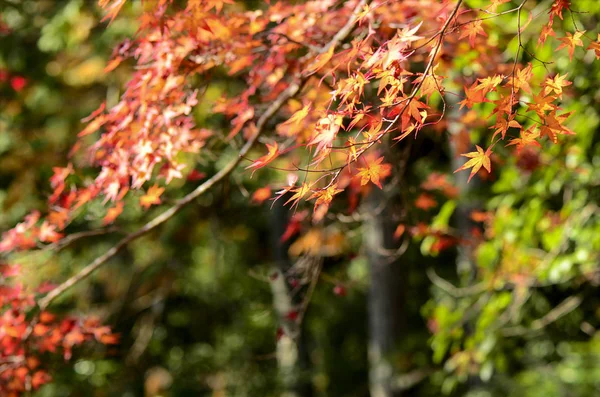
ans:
(453, 290)
(289, 93)
(564, 308)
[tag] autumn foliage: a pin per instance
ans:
(326, 88)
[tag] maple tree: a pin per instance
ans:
(327, 89)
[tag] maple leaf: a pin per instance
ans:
(528, 138)
(553, 125)
(477, 160)
(430, 83)
(472, 96)
(472, 30)
(521, 79)
(495, 4)
(546, 31)
(595, 45)
(320, 61)
(425, 202)
(502, 125)
(59, 217)
(489, 83)
(326, 132)
(556, 84)
(113, 213)
(299, 115)
(363, 13)
(557, 8)
(570, 41)
(261, 194)
(352, 152)
(266, 159)
(408, 35)
(441, 182)
(324, 196)
(93, 126)
(299, 193)
(48, 233)
(397, 51)
(152, 197)
(112, 9)
(195, 175)
(374, 172)
(540, 104)
(406, 132)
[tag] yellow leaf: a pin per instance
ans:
(299, 115)
(374, 172)
(320, 61)
(478, 159)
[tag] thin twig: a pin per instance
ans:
(564, 308)
(61, 244)
(451, 289)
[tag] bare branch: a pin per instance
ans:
(451, 289)
(564, 308)
(59, 245)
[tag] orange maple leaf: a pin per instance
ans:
(113, 213)
(521, 79)
(571, 41)
(266, 159)
(320, 61)
(556, 84)
(557, 8)
(502, 125)
(595, 45)
(324, 196)
(528, 138)
(546, 31)
(540, 104)
(425, 202)
(472, 30)
(478, 159)
(152, 197)
(261, 194)
(473, 95)
(374, 172)
(553, 125)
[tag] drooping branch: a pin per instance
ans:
(292, 90)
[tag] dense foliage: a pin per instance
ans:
(254, 180)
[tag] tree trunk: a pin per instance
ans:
(292, 355)
(386, 294)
